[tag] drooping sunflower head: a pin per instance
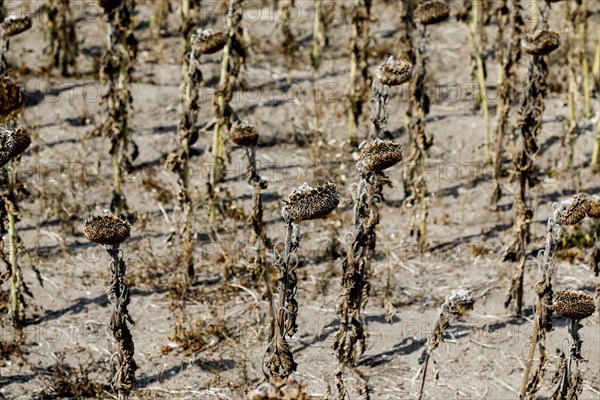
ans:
(306, 203)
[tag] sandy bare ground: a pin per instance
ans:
(302, 120)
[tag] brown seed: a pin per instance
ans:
(394, 73)
(12, 144)
(576, 209)
(109, 5)
(13, 26)
(541, 43)
(306, 203)
(106, 229)
(208, 42)
(432, 12)
(573, 304)
(380, 155)
(244, 134)
(594, 211)
(12, 99)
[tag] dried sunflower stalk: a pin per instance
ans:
(568, 212)
(351, 338)
(509, 54)
(13, 142)
(358, 45)
(305, 203)
(116, 69)
(574, 306)
(179, 160)
(524, 157)
(110, 231)
(234, 56)
(390, 73)
(415, 185)
(9, 27)
(63, 46)
(478, 43)
(457, 304)
(246, 135)
(594, 259)
(287, 36)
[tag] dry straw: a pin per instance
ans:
(280, 390)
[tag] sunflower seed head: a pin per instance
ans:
(380, 155)
(287, 389)
(574, 209)
(205, 41)
(432, 12)
(109, 5)
(541, 43)
(12, 99)
(594, 211)
(306, 203)
(459, 302)
(394, 73)
(12, 144)
(244, 134)
(13, 26)
(106, 229)
(573, 304)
